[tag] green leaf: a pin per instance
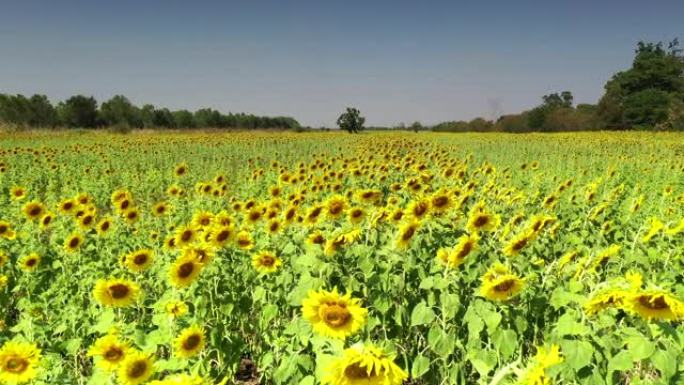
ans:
(620, 362)
(640, 347)
(577, 353)
(483, 361)
(665, 362)
(568, 326)
(308, 380)
(421, 365)
(505, 341)
(422, 314)
(440, 342)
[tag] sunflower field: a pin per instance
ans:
(325, 258)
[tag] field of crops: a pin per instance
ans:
(370, 259)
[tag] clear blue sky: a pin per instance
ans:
(398, 61)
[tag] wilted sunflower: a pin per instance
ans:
(406, 234)
(18, 362)
(333, 315)
(266, 262)
(244, 240)
(139, 261)
(184, 271)
(110, 351)
(656, 304)
(17, 193)
(363, 365)
(116, 292)
(29, 263)
(136, 368)
(34, 210)
(189, 342)
(500, 284)
(73, 242)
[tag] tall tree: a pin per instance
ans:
(351, 120)
(78, 111)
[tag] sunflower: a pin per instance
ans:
(333, 315)
(124, 205)
(119, 195)
(369, 196)
(274, 226)
(176, 308)
(480, 220)
(3, 259)
(335, 206)
(189, 342)
(221, 235)
(110, 351)
(314, 214)
(441, 202)
(203, 253)
(184, 271)
(202, 219)
(604, 256)
(535, 373)
(34, 210)
(181, 169)
(676, 229)
(132, 215)
(3, 281)
(656, 304)
(245, 240)
(254, 214)
(29, 263)
(185, 235)
(46, 220)
(500, 284)
(456, 256)
(104, 226)
(515, 245)
(266, 262)
(406, 234)
(139, 261)
(17, 193)
(5, 228)
(160, 208)
(419, 209)
(136, 368)
(364, 365)
(356, 215)
(610, 298)
(317, 238)
(86, 221)
(18, 362)
(116, 292)
(655, 226)
(73, 242)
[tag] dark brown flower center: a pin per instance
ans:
(408, 233)
(649, 302)
(481, 220)
(186, 269)
(505, 286)
(336, 315)
(16, 365)
(186, 235)
(119, 291)
(356, 372)
(140, 259)
(114, 354)
(192, 342)
(137, 369)
(74, 242)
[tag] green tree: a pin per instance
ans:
(78, 111)
(119, 111)
(641, 95)
(351, 120)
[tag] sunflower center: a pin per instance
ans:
(16, 365)
(649, 302)
(119, 291)
(186, 269)
(186, 236)
(267, 260)
(73, 242)
(440, 201)
(481, 221)
(191, 342)
(408, 234)
(467, 247)
(124, 204)
(140, 259)
(419, 210)
(104, 226)
(335, 208)
(519, 244)
(244, 241)
(34, 211)
(113, 354)
(336, 315)
(504, 286)
(356, 372)
(3, 229)
(274, 226)
(357, 213)
(318, 239)
(223, 235)
(31, 262)
(87, 220)
(138, 369)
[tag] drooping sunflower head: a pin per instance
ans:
(364, 364)
(500, 284)
(34, 210)
(189, 342)
(610, 298)
(334, 315)
(116, 292)
(266, 262)
(136, 368)
(29, 263)
(656, 304)
(18, 362)
(184, 271)
(73, 242)
(139, 260)
(110, 352)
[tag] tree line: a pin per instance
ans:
(649, 95)
(81, 111)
